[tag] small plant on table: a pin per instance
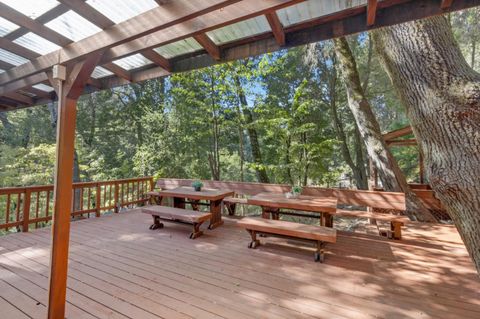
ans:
(197, 186)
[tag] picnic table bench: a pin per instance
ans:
(317, 234)
(179, 215)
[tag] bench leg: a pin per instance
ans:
(194, 204)
(320, 252)
(255, 242)
(156, 223)
(396, 228)
(196, 230)
(231, 208)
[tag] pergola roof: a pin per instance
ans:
(144, 39)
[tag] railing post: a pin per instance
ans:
(97, 200)
(115, 198)
(26, 210)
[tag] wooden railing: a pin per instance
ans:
(26, 207)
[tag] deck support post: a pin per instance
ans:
(69, 85)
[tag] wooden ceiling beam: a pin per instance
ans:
(44, 18)
(371, 12)
(202, 24)
(20, 19)
(17, 49)
(21, 83)
(119, 71)
(446, 4)
(277, 28)
(5, 65)
(20, 98)
(89, 13)
(172, 13)
(39, 93)
(208, 45)
(158, 59)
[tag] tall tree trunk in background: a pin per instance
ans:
(441, 94)
(474, 52)
(214, 154)
(240, 142)
(360, 161)
(252, 133)
(390, 174)
(359, 176)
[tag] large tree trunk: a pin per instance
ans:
(442, 96)
(389, 172)
(252, 133)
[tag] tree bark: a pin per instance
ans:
(388, 170)
(252, 133)
(441, 93)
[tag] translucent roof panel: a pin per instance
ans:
(11, 58)
(100, 72)
(73, 26)
(132, 61)
(43, 87)
(31, 8)
(6, 27)
(312, 9)
(30, 94)
(121, 10)
(178, 48)
(240, 30)
(36, 43)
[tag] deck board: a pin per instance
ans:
(120, 269)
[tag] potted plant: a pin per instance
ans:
(296, 191)
(197, 186)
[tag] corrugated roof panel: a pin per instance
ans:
(312, 9)
(132, 61)
(6, 27)
(11, 58)
(73, 26)
(30, 94)
(100, 72)
(240, 30)
(43, 87)
(31, 8)
(121, 10)
(178, 48)
(36, 43)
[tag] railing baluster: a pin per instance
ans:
(97, 199)
(7, 215)
(26, 210)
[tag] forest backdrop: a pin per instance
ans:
(280, 117)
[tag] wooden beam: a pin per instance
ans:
(44, 18)
(32, 25)
(89, 13)
(119, 71)
(277, 27)
(172, 13)
(17, 49)
(446, 4)
(20, 98)
(406, 142)
(208, 45)
(234, 13)
(407, 130)
(371, 12)
(19, 84)
(157, 59)
(68, 92)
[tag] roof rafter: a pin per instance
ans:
(371, 12)
(208, 45)
(173, 12)
(34, 26)
(277, 27)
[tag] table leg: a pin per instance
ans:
(179, 202)
(216, 211)
(328, 220)
(194, 204)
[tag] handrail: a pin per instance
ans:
(27, 206)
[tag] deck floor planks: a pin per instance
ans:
(9, 311)
(396, 297)
(285, 280)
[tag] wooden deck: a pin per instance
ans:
(121, 269)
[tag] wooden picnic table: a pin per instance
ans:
(183, 195)
(272, 203)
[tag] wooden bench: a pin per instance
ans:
(317, 234)
(179, 215)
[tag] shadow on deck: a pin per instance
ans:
(121, 269)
